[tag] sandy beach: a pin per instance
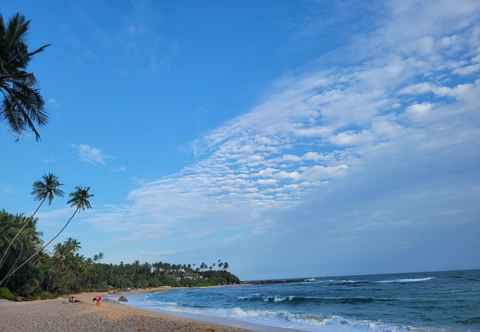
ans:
(58, 316)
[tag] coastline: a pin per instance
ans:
(58, 315)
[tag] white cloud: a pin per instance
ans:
(90, 154)
(419, 111)
(318, 173)
(467, 70)
(256, 163)
(291, 158)
(287, 175)
(312, 156)
(351, 138)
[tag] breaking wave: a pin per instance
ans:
(406, 280)
(286, 319)
(293, 299)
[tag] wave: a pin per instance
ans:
(337, 282)
(359, 283)
(286, 319)
(294, 299)
(405, 280)
(470, 321)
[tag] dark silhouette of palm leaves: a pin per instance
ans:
(47, 188)
(80, 198)
(22, 106)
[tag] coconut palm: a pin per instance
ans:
(79, 200)
(44, 190)
(98, 257)
(22, 106)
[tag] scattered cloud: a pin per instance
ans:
(90, 154)
(318, 127)
(54, 216)
(468, 70)
(419, 111)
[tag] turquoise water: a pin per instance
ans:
(440, 301)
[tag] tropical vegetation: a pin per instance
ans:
(64, 270)
(29, 270)
(22, 106)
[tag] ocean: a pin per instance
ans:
(431, 301)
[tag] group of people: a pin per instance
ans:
(97, 299)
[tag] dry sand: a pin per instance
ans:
(58, 316)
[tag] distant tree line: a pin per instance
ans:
(28, 270)
(64, 270)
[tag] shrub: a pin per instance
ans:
(6, 294)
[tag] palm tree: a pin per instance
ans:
(79, 200)
(22, 106)
(43, 190)
(98, 257)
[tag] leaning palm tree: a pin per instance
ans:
(44, 190)
(79, 200)
(22, 106)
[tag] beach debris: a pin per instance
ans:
(122, 299)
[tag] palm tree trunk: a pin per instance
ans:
(20, 231)
(10, 273)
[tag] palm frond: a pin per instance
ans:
(47, 188)
(80, 198)
(23, 106)
(38, 50)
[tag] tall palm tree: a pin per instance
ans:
(22, 106)
(45, 189)
(79, 200)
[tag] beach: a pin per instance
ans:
(58, 315)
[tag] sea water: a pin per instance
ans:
(439, 301)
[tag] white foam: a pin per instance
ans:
(405, 280)
(283, 319)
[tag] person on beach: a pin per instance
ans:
(97, 299)
(73, 299)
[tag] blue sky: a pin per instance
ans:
(290, 138)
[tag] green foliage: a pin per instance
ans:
(42, 295)
(6, 294)
(22, 106)
(66, 271)
(25, 245)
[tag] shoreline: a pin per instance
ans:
(201, 318)
(58, 315)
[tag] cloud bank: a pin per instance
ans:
(324, 142)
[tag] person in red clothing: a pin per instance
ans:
(97, 299)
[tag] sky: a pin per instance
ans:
(289, 138)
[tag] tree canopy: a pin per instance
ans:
(65, 270)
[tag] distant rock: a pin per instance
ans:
(122, 299)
